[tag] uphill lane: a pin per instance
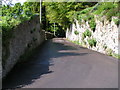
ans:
(62, 64)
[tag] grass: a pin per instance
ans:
(116, 55)
(76, 42)
(111, 53)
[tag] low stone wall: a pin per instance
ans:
(26, 37)
(49, 35)
(105, 34)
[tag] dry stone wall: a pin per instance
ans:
(106, 35)
(26, 37)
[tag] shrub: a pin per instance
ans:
(112, 12)
(104, 6)
(86, 33)
(92, 24)
(84, 14)
(92, 42)
(76, 32)
(83, 36)
(108, 9)
(86, 10)
(90, 17)
(117, 21)
(109, 51)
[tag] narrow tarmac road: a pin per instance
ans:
(62, 64)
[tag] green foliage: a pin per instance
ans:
(86, 33)
(83, 36)
(87, 16)
(104, 6)
(117, 21)
(92, 42)
(92, 24)
(13, 16)
(84, 14)
(64, 13)
(76, 42)
(9, 22)
(107, 9)
(112, 12)
(116, 55)
(76, 32)
(109, 51)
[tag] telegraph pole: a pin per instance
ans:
(40, 11)
(54, 29)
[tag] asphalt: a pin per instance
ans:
(62, 64)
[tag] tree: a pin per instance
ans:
(63, 13)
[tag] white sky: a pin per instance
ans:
(15, 1)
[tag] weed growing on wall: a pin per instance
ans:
(102, 11)
(105, 46)
(76, 32)
(116, 55)
(92, 42)
(86, 33)
(117, 21)
(111, 53)
(76, 42)
(92, 24)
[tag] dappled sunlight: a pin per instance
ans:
(38, 65)
(50, 44)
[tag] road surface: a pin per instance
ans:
(62, 64)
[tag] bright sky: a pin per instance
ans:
(15, 1)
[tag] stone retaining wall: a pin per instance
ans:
(26, 37)
(106, 35)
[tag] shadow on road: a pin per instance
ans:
(38, 64)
